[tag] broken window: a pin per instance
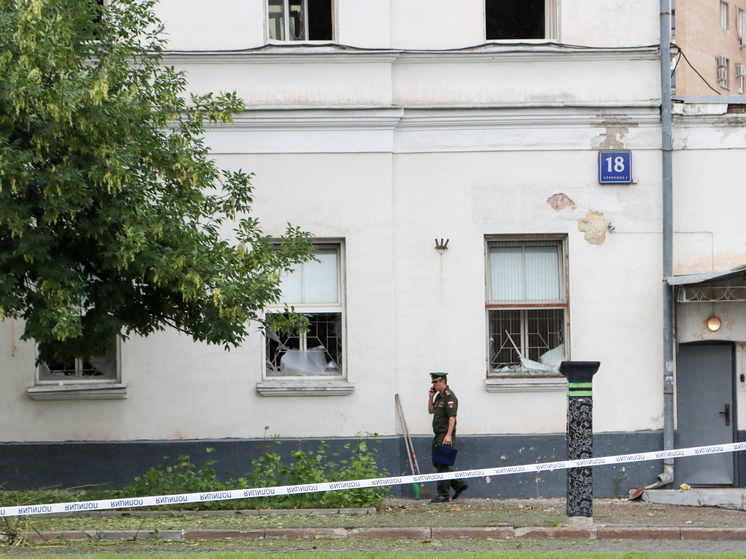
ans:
(300, 20)
(313, 290)
(101, 368)
(526, 305)
(519, 19)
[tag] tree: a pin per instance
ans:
(111, 211)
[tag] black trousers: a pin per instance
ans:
(444, 486)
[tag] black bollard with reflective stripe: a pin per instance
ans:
(579, 434)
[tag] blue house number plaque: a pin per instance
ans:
(615, 167)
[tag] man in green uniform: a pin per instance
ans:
(444, 408)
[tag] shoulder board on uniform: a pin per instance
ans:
(448, 393)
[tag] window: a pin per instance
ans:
(740, 73)
(722, 71)
(741, 27)
(97, 378)
(299, 20)
(520, 19)
(103, 368)
(313, 289)
(723, 16)
(526, 305)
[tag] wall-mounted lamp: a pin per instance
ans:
(713, 323)
(441, 246)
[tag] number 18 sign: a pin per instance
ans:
(615, 167)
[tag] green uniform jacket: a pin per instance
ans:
(445, 405)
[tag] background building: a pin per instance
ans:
(712, 35)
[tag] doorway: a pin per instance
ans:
(705, 412)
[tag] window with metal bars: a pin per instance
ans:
(526, 305)
(104, 368)
(313, 289)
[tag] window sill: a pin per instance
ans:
(292, 387)
(90, 391)
(526, 384)
(303, 42)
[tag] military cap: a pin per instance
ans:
(437, 376)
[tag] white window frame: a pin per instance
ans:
(551, 24)
(286, 30)
(723, 16)
(78, 387)
(740, 74)
(523, 381)
(741, 26)
(313, 385)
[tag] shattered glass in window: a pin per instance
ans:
(98, 368)
(529, 341)
(317, 352)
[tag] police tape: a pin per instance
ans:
(132, 502)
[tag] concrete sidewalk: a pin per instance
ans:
(728, 498)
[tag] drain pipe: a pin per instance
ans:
(666, 477)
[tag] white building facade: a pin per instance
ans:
(446, 157)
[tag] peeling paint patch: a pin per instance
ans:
(594, 227)
(613, 138)
(559, 202)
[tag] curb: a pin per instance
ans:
(525, 533)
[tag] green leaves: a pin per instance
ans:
(111, 211)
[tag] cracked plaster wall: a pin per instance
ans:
(594, 225)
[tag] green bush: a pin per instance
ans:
(178, 478)
(269, 470)
(318, 466)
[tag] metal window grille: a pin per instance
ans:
(520, 338)
(96, 369)
(316, 352)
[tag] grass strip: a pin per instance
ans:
(369, 555)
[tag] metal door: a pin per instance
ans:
(705, 414)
